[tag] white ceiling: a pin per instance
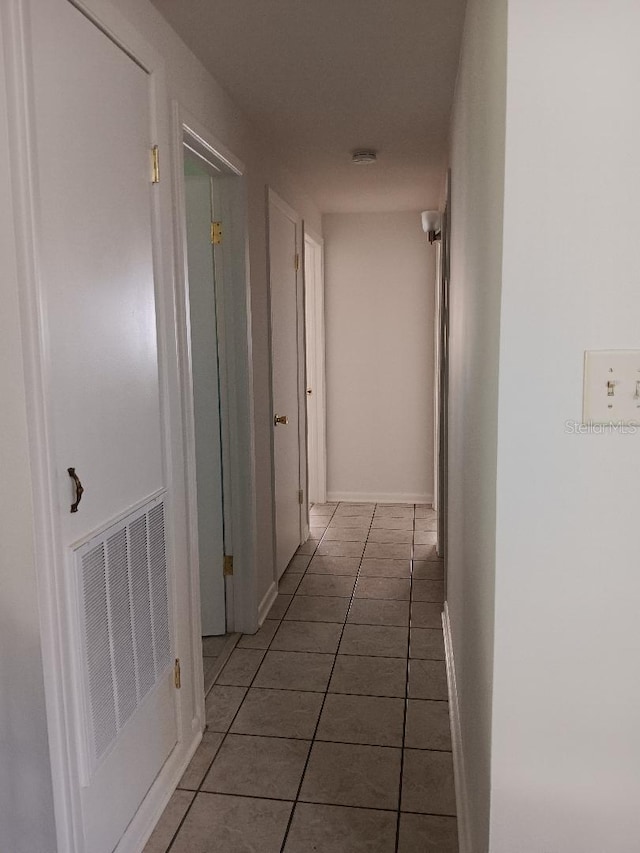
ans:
(323, 78)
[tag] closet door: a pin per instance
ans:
(94, 206)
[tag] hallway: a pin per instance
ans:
(328, 730)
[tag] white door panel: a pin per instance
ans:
(285, 366)
(96, 264)
(93, 199)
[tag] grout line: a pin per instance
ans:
(323, 740)
(324, 699)
(406, 692)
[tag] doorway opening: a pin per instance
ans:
(210, 424)
(315, 369)
(215, 357)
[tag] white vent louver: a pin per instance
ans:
(125, 636)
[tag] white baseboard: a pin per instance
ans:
(145, 819)
(379, 497)
(462, 800)
(267, 600)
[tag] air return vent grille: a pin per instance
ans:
(125, 633)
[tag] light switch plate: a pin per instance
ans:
(611, 387)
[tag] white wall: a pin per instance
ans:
(566, 739)
(477, 171)
(379, 302)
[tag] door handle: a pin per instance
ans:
(280, 419)
(78, 487)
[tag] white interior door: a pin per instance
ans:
(205, 375)
(93, 137)
(286, 374)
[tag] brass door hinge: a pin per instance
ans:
(300, 496)
(227, 568)
(176, 674)
(297, 262)
(216, 233)
(155, 165)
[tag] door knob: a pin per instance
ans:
(280, 419)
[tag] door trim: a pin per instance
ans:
(319, 381)
(241, 595)
(51, 564)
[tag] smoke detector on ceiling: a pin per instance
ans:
(364, 156)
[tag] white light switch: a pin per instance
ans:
(611, 387)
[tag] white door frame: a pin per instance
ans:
(63, 720)
(315, 337)
(238, 418)
(273, 198)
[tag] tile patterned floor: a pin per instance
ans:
(328, 730)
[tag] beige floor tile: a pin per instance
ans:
(425, 614)
(350, 522)
(428, 725)
(210, 667)
(427, 834)
(339, 829)
(278, 713)
(428, 570)
(262, 637)
(390, 523)
(427, 643)
(307, 637)
(352, 775)
(380, 551)
(425, 537)
(221, 706)
(308, 547)
(241, 667)
(374, 640)
(427, 782)
(279, 606)
(428, 590)
(201, 761)
(393, 589)
(390, 537)
(214, 646)
(355, 509)
(426, 524)
(394, 511)
(340, 548)
(425, 552)
(218, 823)
(298, 563)
(427, 679)
(289, 583)
(258, 767)
(347, 566)
(385, 568)
(425, 511)
(295, 671)
(169, 822)
(369, 676)
(362, 719)
(313, 584)
(376, 611)
(345, 534)
(317, 532)
(317, 608)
